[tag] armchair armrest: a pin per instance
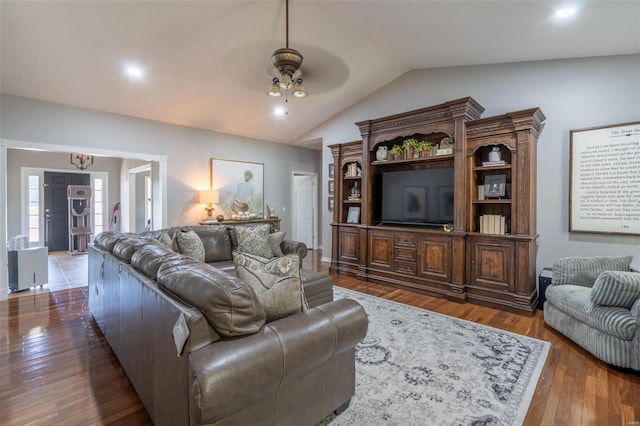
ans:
(584, 270)
(230, 374)
(294, 247)
(616, 288)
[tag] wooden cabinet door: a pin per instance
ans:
(349, 245)
(380, 254)
(434, 257)
(491, 264)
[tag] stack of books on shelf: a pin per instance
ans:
(493, 163)
(492, 224)
(352, 170)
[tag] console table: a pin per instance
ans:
(273, 221)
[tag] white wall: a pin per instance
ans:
(188, 150)
(183, 154)
(573, 94)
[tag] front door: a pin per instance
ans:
(56, 207)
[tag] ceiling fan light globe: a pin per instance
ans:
(298, 90)
(274, 90)
(285, 81)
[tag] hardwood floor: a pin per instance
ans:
(56, 368)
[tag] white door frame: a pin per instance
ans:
(132, 195)
(9, 143)
(315, 203)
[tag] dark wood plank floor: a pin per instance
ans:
(56, 369)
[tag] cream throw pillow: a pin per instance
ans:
(190, 245)
(275, 281)
(254, 240)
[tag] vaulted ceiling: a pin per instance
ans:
(207, 63)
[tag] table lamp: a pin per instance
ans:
(209, 198)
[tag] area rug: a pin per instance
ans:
(417, 367)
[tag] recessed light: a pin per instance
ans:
(565, 12)
(135, 72)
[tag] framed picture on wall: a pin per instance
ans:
(603, 179)
(331, 170)
(330, 203)
(330, 183)
(240, 185)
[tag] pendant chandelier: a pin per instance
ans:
(81, 161)
(287, 61)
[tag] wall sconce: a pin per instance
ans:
(209, 198)
(81, 161)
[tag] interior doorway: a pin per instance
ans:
(56, 207)
(304, 221)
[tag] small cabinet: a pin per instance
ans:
(435, 257)
(380, 254)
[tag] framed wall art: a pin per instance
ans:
(331, 170)
(495, 186)
(354, 215)
(240, 185)
(604, 179)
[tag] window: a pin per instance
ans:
(33, 208)
(98, 205)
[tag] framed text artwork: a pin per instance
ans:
(353, 216)
(240, 185)
(604, 179)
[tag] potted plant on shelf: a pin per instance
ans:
(410, 147)
(425, 148)
(397, 151)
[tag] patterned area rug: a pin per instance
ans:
(417, 367)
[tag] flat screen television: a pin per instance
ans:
(414, 197)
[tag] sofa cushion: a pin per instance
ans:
(254, 240)
(150, 257)
(126, 246)
(190, 245)
(616, 288)
(217, 243)
(108, 239)
(229, 305)
(575, 300)
(276, 282)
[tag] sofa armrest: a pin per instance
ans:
(294, 247)
(583, 271)
(231, 374)
(616, 288)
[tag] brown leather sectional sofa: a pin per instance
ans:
(201, 352)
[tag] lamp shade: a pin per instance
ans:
(208, 197)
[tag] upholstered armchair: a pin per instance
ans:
(595, 301)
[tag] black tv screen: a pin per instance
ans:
(416, 197)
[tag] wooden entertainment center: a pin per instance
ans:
(460, 263)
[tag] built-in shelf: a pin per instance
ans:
(492, 201)
(430, 159)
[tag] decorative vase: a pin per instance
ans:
(381, 153)
(494, 154)
(220, 218)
